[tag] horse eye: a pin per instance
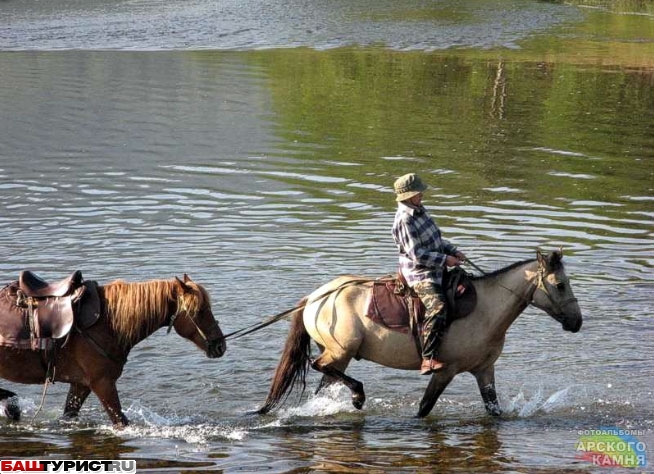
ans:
(560, 286)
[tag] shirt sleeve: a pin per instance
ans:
(449, 247)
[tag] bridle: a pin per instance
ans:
(539, 284)
(183, 308)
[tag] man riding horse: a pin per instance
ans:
(424, 255)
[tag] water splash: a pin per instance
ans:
(575, 397)
(139, 412)
(197, 434)
(29, 410)
(147, 423)
(330, 401)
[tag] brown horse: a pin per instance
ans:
(91, 360)
(334, 317)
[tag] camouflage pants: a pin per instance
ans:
(432, 297)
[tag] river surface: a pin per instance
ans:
(253, 145)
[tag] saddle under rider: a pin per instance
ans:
(393, 304)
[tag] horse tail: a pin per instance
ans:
(294, 363)
(11, 407)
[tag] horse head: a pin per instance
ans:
(194, 320)
(553, 293)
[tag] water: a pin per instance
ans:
(264, 172)
(230, 24)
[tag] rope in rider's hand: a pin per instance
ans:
(472, 264)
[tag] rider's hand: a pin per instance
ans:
(452, 261)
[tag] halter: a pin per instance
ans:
(540, 285)
(182, 307)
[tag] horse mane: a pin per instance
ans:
(137, 308)
(503, 270)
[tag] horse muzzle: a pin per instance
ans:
(572, 321)
(216, 348)
(570, 315)
(572, 324)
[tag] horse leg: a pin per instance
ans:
(486, 382)
(77, 394)
(439, 380)
(105, 390)
(325, 365)
(325, 380)
(11, 407)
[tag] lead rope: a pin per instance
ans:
(273, 319)
(31, 304)
(49, 376)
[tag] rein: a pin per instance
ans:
(279, 316)
(540, 285)
(472, 264)
(528, 302)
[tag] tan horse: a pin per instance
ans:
(334, 317)
(92, 359)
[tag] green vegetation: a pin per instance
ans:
(617, 6)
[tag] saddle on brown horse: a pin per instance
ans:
(392, 303)
(34, 314)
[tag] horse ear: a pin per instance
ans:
(540, 257)
(183, 284)
(187, 278)
(555, 258)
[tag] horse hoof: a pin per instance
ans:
(69, 416)
(358, 401)
(12, 409)
(493, 409)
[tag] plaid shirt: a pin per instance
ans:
(422, 249)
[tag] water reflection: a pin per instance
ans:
(59, 442)
(14, 446)
(391, 445)
(91, 445)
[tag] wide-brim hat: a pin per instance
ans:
(407, 186)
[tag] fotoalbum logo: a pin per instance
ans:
(612, 447)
